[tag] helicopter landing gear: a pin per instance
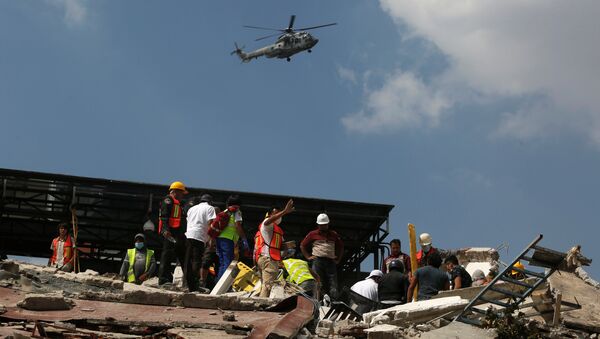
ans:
(309, 51)
(289, 59)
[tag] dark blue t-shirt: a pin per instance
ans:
(431, 280)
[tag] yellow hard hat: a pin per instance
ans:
(178, 185)
(517, 265)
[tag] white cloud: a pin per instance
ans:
(75, 11)
(346, 74)
(403, 101)
(546, 49)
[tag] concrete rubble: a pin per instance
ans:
(35, 299)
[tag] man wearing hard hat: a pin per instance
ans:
(171, 225)
(426, 249)
(326, 250)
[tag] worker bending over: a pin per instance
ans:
(299, 273)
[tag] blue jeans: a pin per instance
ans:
(225, 253)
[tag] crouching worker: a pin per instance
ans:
(393, 286)
(299, 273)
(364, 295)
(139, 264)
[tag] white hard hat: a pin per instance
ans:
(425, 239)
(322, 219)
(375, 273)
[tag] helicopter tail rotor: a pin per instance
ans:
(240, 52)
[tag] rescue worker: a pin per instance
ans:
(518, 274)
(394, 284)
(478, 278)
(300, 273)
(364, 293)
(199, 218)
(62, 248)
(231, 234)
(459, 277)
(139, 263)
(267, 247)
(430, 279)
(396, 254)
(426, 249)
(326, 252)
(171, 226)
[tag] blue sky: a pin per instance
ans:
(480, 122)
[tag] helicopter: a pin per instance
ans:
(286, 45)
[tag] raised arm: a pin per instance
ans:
(289, 208)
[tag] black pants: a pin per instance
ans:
(193, 263)
(327, 271)
(171, 251)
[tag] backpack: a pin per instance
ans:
(221, 221)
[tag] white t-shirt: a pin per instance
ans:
(198, 218)
(367, 288)
(267, 234)
(59, 253)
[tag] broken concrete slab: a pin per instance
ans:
(415, 312)
(384, 331)
(224, 284)
(152, 282)
(485, 267)
(201, 333)
(224, 302)
(581, 273)
(459, 330)
(45, 302)
(575, 290)
(150, 298)
(471, 292)
(10, 266)
(476, 254)
(6, 275)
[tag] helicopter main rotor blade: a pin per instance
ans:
(313, 27)
(268, 36)
(292, 19)
(266, 28)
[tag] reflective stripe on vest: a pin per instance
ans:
(274, 246)
(67, 250)
(298, 271)
(131, 256)
(174, 218)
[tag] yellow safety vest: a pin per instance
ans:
(298, 271)
(131, 255)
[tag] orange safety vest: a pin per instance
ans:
(67, 250)
(174, 218)
(420, 256)
(274, 246)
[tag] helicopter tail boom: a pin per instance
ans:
(240, 53)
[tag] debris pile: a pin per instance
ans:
(38, 301)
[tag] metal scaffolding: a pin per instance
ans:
(110, 213)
